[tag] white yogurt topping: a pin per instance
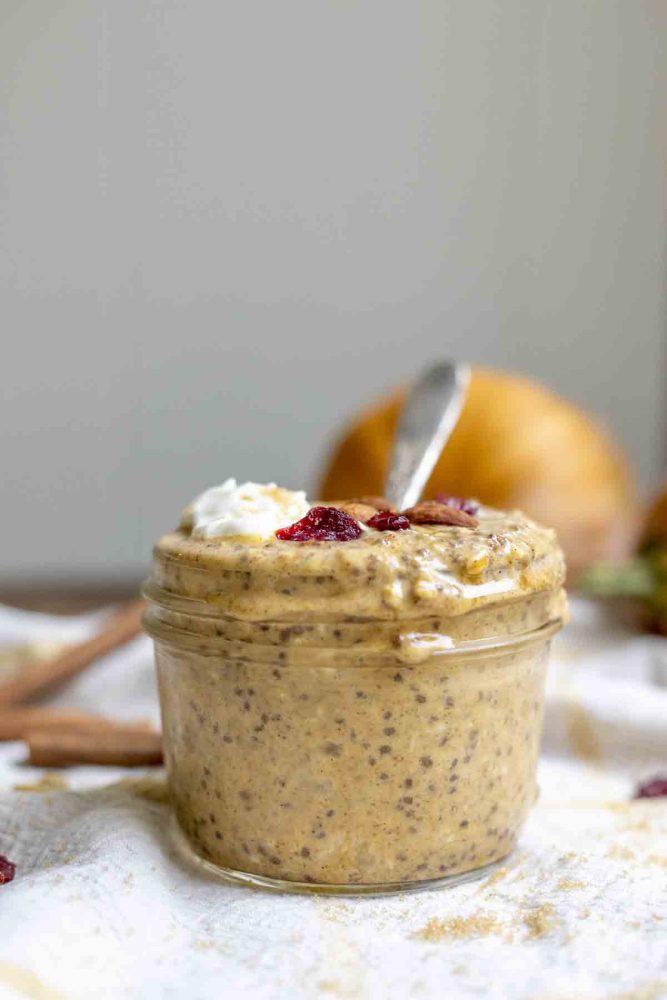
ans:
(256, 509)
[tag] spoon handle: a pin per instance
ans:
(427, 419)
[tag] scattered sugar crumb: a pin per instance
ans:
(655, 990)
(337, 911)
(204, 944)
(621, 853)
(334, 987)
(49, 782)
(497, 876)
(619, 807)
(477, 925)
(330, 986)
(540, 921)
(334, 916)
(571, 883)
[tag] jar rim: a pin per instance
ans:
(157, 628)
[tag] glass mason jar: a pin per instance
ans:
(350, 756)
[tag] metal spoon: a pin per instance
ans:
(427, 419)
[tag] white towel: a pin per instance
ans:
(103, 909)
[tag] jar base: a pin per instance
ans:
(232, 877)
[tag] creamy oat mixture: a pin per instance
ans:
(323, 722)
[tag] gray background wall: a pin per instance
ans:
(224, 225)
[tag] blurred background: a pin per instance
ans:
(226, 227)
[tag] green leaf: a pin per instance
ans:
(633, 578)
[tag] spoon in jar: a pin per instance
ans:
(430, 412)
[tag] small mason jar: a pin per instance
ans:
(349, 755)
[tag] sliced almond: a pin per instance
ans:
(380, 503)
(359, 511)
(432, 512)
(377, 503)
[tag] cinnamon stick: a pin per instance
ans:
(118, 747)
(39, 679)
(16, 722)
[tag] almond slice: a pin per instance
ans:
(355, 508)
(380, 503)
(432, 512)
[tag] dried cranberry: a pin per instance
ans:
(322, 524)
(652, 789)
(385, 520)
(459, 503)
(7, 870)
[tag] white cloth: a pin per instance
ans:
(102, 908)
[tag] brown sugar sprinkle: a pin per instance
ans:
(477, 925)
(497, 876)
(541, 921)
(566, 884)
(432, 512)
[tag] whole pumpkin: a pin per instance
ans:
(655, 524)
(516, 445)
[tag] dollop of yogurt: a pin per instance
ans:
(256, 509)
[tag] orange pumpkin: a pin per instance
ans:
(516, 445)
(655, 526)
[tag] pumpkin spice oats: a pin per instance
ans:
(347, 706)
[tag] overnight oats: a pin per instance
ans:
(351, 698)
